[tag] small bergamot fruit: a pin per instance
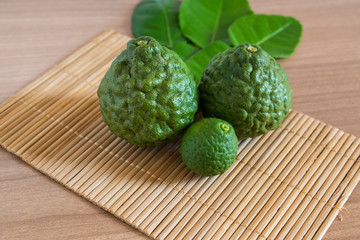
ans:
(209, 146)
(148, 95)
(248, 88)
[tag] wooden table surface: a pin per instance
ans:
(34, 35)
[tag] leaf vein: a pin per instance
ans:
(273, 34)
(216, 26)
(167, 26)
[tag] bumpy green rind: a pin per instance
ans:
(207, 149)
(247, 88)
(148, 95)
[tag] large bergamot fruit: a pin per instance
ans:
(148, 96)
(248, 88)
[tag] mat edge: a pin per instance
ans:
(72, 190)
(48, 71)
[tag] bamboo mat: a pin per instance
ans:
(288, 184)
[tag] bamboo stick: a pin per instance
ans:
(95, 152)
(331, 189)
(140, 199)
(97, 190)
(266, 189)
(132, 164)
(55, 140)
(313, 185)
(97, 168)
(228, 183)
(71, 140)
(134, 178)
(324, 174)
(241, 215)
(25, 110)
(104, 54)
(295, 177)
(298, 159)
(77, 145)
(306, 182)
(187, 195)
(41, 126)
(316, 193)
(150, 226)
(160, 168)
(350, 181)
(198, 183)
(262, 179)
(100, 39)
(153, 220)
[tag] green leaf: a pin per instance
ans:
(206, 21)
(158, 19)
(185, 49)
(278, 35)
(198, 62)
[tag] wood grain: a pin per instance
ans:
(35, 35)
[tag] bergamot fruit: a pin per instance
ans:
(209, 146)
(248, 88)
(148, 95)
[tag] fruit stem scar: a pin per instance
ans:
(252, 49)
(225, 127)
(142, 42)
